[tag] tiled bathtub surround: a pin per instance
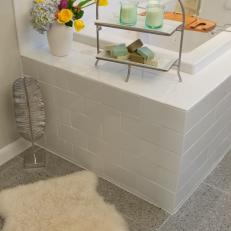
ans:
(158, 152)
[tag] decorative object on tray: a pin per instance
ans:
(134, 52)
(128, 12)
(57, 18)
(30, 117)
(154, 15)
(135, 45)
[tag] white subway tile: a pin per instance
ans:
(218, 153)
(151, 111)
(141, 129)
(167, 116)
(194, 182)
(64, 115)
(51, 126)
(218, 94)
(41, 141)
(74, 136)
(204, 106)
(47, 94)
(206, 140)
(85, 124)
(88, 160)
(197, 112)
(223, 105)
(58, 145)
(68, 100)
(102, 114)
(188, 170)
(167, 138)
(61, 78)
(46, 73)
(199, 129)
(150, 171)
(108, 152)
(120, 139)
(159, 156)
(171, 140)
(120, 175)
(130, 104)
(155, 193)
(111, 97)
(30, 67)
(84, 87)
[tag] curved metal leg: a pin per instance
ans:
(128, 75)
(181, 40)
(179, 75)
(96, 63)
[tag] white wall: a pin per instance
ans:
(9, 71)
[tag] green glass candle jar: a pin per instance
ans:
(128, 12)
(154, 15)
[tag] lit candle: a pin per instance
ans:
(128, 13)
(154, 16)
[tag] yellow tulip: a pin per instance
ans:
(78, 25)
(39, 1)
(103, 2)
(64, 16)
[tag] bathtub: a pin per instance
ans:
(199, 50)
(170, 135)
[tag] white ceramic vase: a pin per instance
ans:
(60, 39)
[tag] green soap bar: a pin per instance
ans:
(109, 47)
(152, 62)
(125, 57)
(135, 45)
(134, 57)
(119, 50)
(146, 53)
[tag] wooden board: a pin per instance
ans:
(192, 22)
(178, 17)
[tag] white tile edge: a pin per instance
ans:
(181, 203)
(122, 186)
(13, 149)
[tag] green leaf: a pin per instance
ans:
(79, 14)
(84, 2)
(70, 23)
(70, 4)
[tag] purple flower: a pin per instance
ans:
(63, 4)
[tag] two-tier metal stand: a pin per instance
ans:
(168, 29)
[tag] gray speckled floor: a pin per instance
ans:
(209, 209)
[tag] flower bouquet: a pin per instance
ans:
(57, 18)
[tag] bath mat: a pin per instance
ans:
(69, 203)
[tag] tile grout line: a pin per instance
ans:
(216, 188)
(168, 218)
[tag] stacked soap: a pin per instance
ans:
(108, 49)
(120, 52)
(140, 54)
(135, 45)
(135, 52)
(146, 53)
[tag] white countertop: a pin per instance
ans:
(159, 86)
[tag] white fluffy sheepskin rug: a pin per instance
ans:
(69, 203)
